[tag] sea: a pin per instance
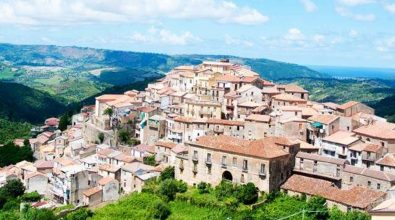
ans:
(356, 72)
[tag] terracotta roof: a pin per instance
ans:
(288, 97)
(380, 130)
(144, 147)
(228, 78)
(250, 104)
(166, 144)
(358, 197)
(387, 160)
(321, 158)
(370, 173)
(342, 137)
(92, 191)
(135, 166)
(258, 118)
(308, 111)
(109, 168)
(103, 181)
(270, 90)
(250, 79)
(331, 105)
(290, 108)
(225, 122)
(245, 88)
(306, 146)
(324, 119)
(292, 88)
(44, 164)
(347, 105)
(146, 109)
(179, 148)
(125, 158)
(190, 120)
(266, 148)
(30, 175)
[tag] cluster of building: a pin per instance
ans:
(215, 121)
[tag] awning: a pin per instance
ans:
(317, 125)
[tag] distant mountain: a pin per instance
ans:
(356, 72)
(72, 74)
(21, 103)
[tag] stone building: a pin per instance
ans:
(265, 162)
(373, 179)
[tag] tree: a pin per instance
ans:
(247, 194)
(64, 121)
(161, 210)
(203, 187)
(124, 136)
(109, 112)
(31, 197)
(224, 190)
(167, 173)
(80, 214)
(26, 143)
(100, 136)
(317, 204)
(170, 187)
(12, 154)
(150, 160)
(12, 189)
(39, 214)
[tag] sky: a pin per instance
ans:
(359, 33)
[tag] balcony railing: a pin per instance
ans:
(208, 162)
(368, 157)
(195, 159)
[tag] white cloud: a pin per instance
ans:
(309, 5)
(154, 35)
(319, 38)
(386, 44)
(353, 33)
(229, 40)
(65, 12)
(359, 17)
(294, 34)
(390, 7)
(355, 2)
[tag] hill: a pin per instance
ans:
(72, 74)
(21, 103)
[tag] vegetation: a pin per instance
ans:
(12, 154)
(149, 160)
(65, 120)
(10, 130)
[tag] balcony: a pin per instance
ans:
(219, 129)
(245, 169)
(223, 165)
(181, 166)
(262, 174)
(182, 156)
(208, 162)
(194, 170)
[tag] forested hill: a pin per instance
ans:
(89, 59)
(21, 103)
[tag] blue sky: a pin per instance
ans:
(311, 32)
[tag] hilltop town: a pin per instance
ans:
(212, 122)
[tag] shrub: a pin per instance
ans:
(11, 204)
(167, 173)
(203, 187)
(12, 189)
(224, 190)
(80, 214)
(150, 160)
(160, 210)
(247, 194)
(170, 187)
(31, 197)
(317, 205)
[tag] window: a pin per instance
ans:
(262, 168)
(224, 160)
(208, 157)
(378, 186)
(245, 165)
(381, 168)
(369, 183)
(351, 179)
(234, 161)
(382, 144)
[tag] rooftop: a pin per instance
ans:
(378, 129)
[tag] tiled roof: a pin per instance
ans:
(166, 144)
(225, 122)
(342, 137)
(321, 158)
(135, 166)
(258, 118)
(145, 148)
(292, 88)
(380, 130)
(324, 119)
(387, 160)
(190, 120)
(306, 146)
(270, 90)
(358, 197)
(288, 97)
(92, 191)
(382, 175)
(228, 78)
(179, 148)
(388, 206)
(103, 181)
(347, 105)
(109, 168)
(265, 148)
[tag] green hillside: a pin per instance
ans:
(21, 103)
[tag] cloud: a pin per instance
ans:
(229, 40)
(154, 35)
(353, 33)
(294, 34)
(386, 45)
(390, 7)
(67, 12)
(309, 5)
(355, 2)
(342, 11)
